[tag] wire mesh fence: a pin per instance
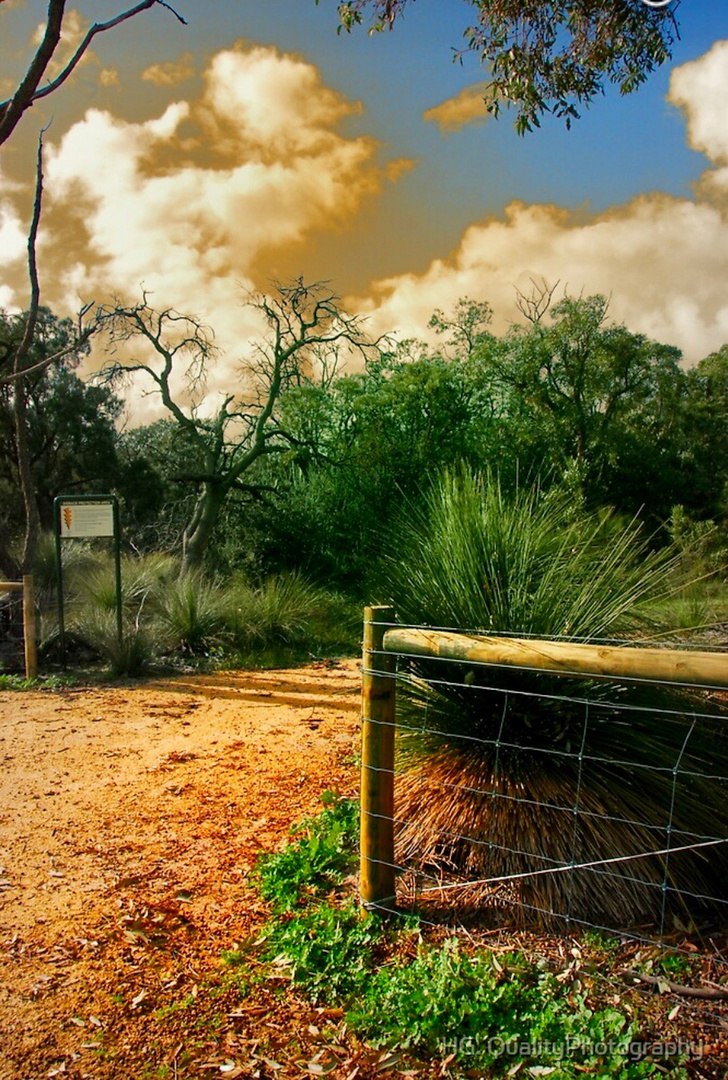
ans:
(18, 626)
(560, 787)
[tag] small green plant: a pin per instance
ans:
(675, 966)
(43, 682)
(16, 682)
(493, 1012)
(597, 941)
(317, 860)
(328, 951)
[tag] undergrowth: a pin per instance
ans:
(495, 1014)
(42, 682)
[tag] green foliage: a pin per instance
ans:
(553, 58)
(290, 611)
(372, 440)
(675, 965)
(43, 682)
(474, 557)
(190, 610)
(166, 611)
(493, 1011)
(327, 951)
(482, 1011)
(317, 860)
(143, 579)
(129, 656)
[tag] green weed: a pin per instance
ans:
(317, 860)
(327, 951)
(493, 1012)
(675, 966)
(43, 682)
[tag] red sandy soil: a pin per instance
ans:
(130, 818)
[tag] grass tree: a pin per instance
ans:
(494, 776)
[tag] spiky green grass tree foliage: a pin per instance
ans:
(190, 612)
(497, 782)
(287, 611)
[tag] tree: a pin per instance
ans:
(18, 364)
(27, 92)
(69, 433)
(373, 441)
(552, 56)
(222, 448)
(603, 402)
(706, 436)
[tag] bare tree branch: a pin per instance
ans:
(20, 420)
(534, 305)
(28, 92)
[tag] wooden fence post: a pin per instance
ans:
(376, 881)
(29, 628)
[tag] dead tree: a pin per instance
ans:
(224, 446)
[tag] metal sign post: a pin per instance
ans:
(77, 517)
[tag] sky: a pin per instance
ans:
(256, 144)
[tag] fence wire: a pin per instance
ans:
(615, 824)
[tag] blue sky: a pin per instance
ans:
(344, 178)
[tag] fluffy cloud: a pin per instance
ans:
(188, 201)
(662, 260)
(700, 89)
(171, 74)
(12, 254)
(467, 107)
(12, 236)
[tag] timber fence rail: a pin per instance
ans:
(408, 849)
(25, 587)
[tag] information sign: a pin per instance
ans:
(80, 518)
(86, 519)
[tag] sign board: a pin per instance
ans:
(85, 519)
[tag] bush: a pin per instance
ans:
(190, 610)
(286, 610)
(129, 656)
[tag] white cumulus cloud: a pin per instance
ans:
(187, 201)
(662, 260)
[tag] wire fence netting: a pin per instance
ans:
(563, 805)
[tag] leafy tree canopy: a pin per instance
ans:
(552, 56)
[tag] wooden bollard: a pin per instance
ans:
(376, 881)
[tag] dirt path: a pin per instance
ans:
(129, 820)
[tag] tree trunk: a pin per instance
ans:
(209, 503)
(25, 474)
